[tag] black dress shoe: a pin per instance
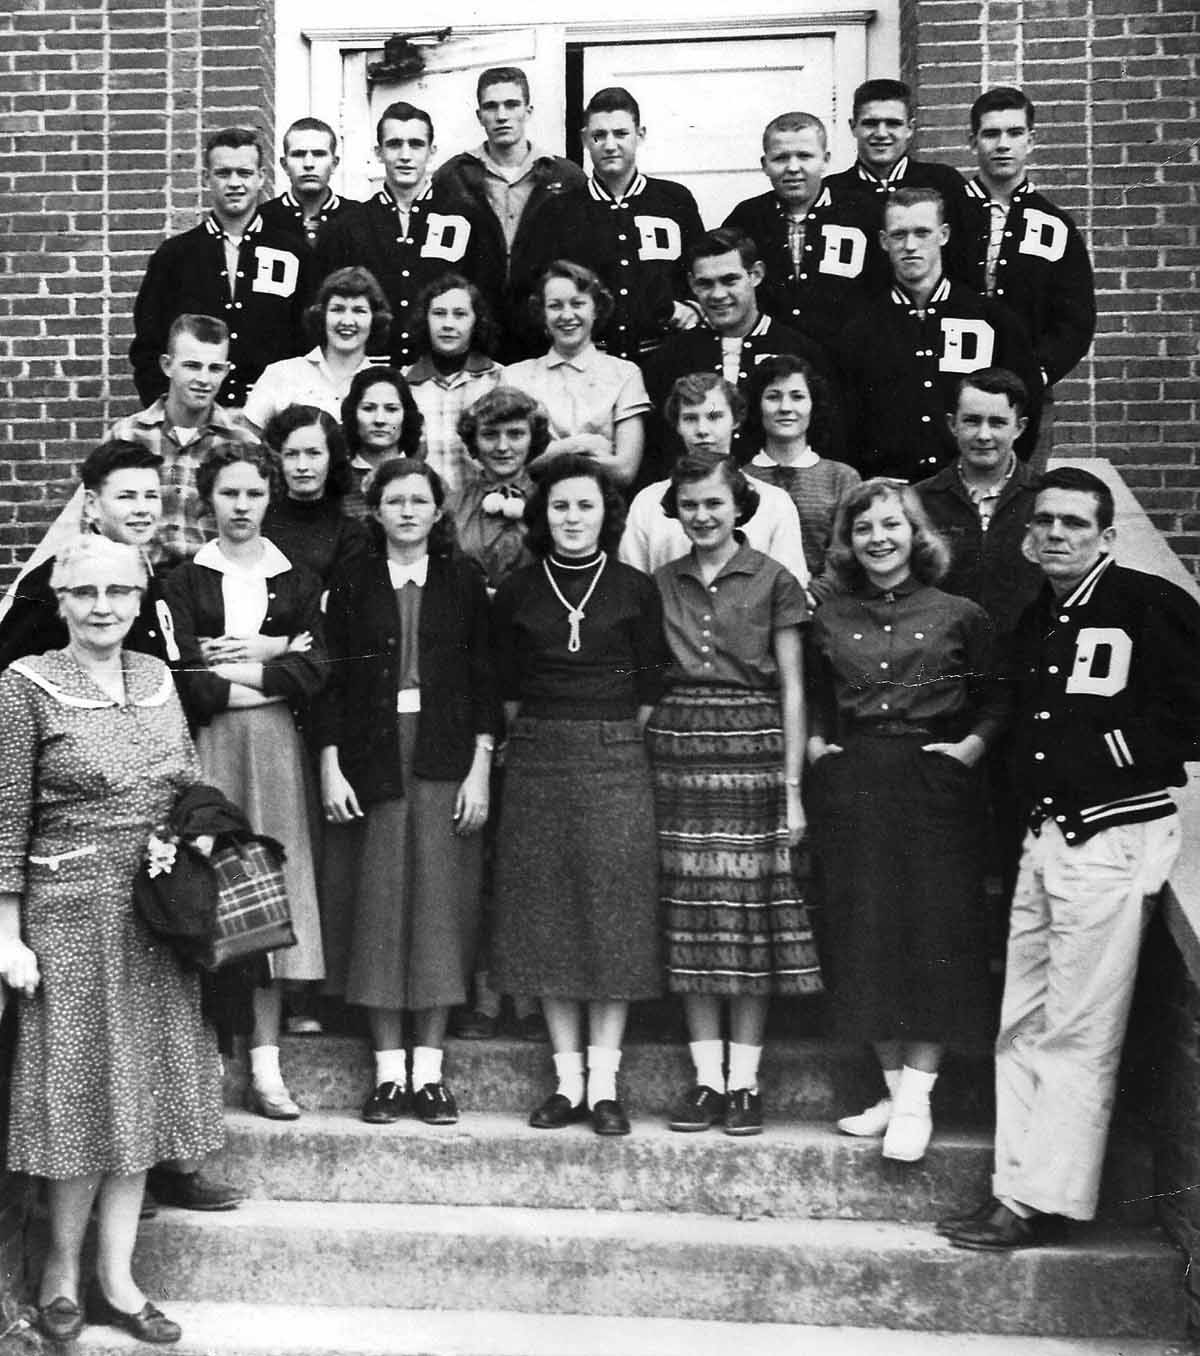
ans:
(148, 1324)
(1005, 1231)
(192, 1190)
(61, 1320)
(949, 1225)
(609, 1118)
(555, 1112)
(386, 1104)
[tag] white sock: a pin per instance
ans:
(264, 1066)
(892, 1078)
(743, 1067)
(569, 1068)
(914, 1090)
(391, 1066)
(709, 1059)
(427, 1065)
(603, 1063)
(1018, 1208)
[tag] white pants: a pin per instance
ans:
(1077, 920)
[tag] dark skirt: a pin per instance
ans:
(898, 833)
(577, 863)
(734, 918)
(416, 905)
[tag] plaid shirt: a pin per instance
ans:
(185, 525)
(986, 497)
(441, 399)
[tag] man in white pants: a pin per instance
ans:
(1107, 663)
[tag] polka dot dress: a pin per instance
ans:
(115, 1069)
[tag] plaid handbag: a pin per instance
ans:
(253, 915)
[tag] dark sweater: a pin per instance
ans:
(318, 535)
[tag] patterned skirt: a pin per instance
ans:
(733, 914)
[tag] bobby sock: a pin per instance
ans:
(603, 1064)
(709, 1059)
(569, 1068)
(427, 1065)
(892, 1078)
(391, 1066)
(264, 1066)
(743, 1067)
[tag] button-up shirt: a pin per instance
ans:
(986, 497)
(300, 381)
(442, 397)
(587, 392)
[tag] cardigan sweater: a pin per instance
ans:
(357, 711)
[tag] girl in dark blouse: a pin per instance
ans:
(901, 711)
(580, 660)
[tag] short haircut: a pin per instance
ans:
(485, 334)
(402, 111)
(443, 539)
(995, 381)
(501, 405)
(502, 75)
(694, 466)
(777, 368)
(583, 279)
(1000, 100)
(225, 453)
(613, 99)
(914, 197)
(881, 92)
(204, 329)
(283, 423)
(566, 467)
(694, 388)
(930, 555)
(354, 281)
(724, 240)
(94, 546)
(412, 423)
(796, 122)
(1076, 478)
(116, 454)
(312, 125)
(233, 138)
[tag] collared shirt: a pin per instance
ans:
(311, 226)
(300, 381)
(244, 584)
(442, 398)
(986, 497)
(186, 524)
(417, 573)
(722, 630)
(815, 485)
(651, 539)
(883, 183)
(589, 392)
(508, 188)
(494, 540)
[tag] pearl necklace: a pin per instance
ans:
(575, 614)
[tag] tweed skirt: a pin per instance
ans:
(733, 914)
(899, 836)
(577, 864)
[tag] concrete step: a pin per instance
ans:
(279, 1330)
(801, 1079)
(795, 1169)
(1110, 1283)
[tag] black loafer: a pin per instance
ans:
(555, 1112)
(61, 1320)
(609, 1118)
(435, 1105)
(385, 1105)
(148, 1324)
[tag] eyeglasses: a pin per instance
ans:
(89, 593)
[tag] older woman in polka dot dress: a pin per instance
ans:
(115, 1069)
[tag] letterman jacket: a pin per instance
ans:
(1108, 700)
(843, 262)
(900, 371)
(286, 213)
(637, 244)
(1043, 274)
(186, 274)
(446, 234)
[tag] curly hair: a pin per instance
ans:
(584, 280)
(91, 546)
(694, 466)
(770, 370)
(349, 282)
(279, 428)
(567, 467)
(485, 333)
(228, 453)
(411, 425)
(930, 557)
(694, 389)
(501, 405)
(443, 539)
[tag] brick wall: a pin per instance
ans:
(104, 105)
(1115, 86)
